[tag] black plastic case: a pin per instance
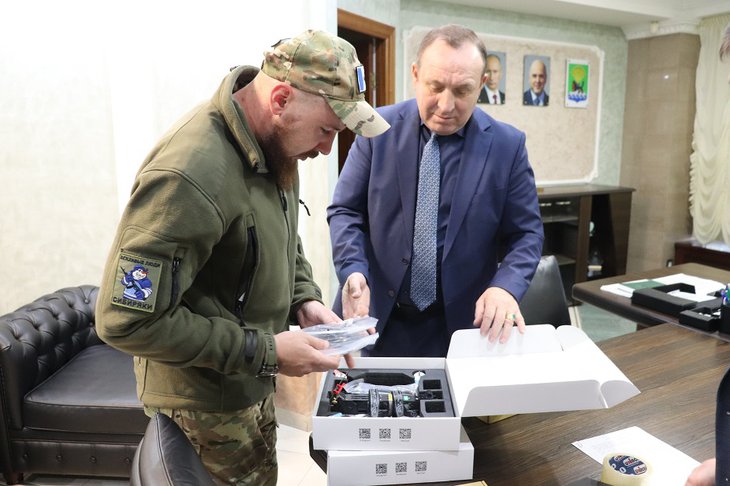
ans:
(658, 298)
(706, 316)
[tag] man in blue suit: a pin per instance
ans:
(487, 210)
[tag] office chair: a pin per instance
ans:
(544, 302)
(165, 457)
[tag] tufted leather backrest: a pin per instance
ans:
(39, 338)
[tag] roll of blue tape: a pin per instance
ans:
(625, 470)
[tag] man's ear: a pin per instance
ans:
(414, 72)
(280, 95)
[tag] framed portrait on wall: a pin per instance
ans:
(493, 91)
(536, 82)
(576, 87)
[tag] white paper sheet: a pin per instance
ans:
(670, 466)
(702, 286)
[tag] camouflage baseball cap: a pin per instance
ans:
(321, 63)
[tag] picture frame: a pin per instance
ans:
(577, 87)
(496, 62)
(536, 81)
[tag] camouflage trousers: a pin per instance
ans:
(238, 448)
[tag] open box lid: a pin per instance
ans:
(546, 369)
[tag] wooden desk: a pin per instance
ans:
(678, 372)
(591, 293)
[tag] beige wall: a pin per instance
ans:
(78, 117)
(658, 121)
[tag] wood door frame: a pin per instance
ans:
(380, 47)
(385, 50)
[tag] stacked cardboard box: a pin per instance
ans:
(543, 370)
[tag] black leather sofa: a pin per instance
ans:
(67, 400)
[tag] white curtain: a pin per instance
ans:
(710, 160)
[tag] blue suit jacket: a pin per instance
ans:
(527, 98)
(494, 206)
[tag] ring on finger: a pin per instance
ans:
(510, 317)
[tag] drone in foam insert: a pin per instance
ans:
(378, 394)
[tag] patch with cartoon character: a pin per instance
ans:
(136, 283)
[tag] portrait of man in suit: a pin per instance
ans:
(493, 90)
(537, 81)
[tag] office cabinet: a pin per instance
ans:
(587, 229)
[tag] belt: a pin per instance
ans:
(410, 311)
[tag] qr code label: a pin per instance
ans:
(421, 466)
(401, 468)
(404, 434)
(384, 434)
(381, 469)
(364, 434)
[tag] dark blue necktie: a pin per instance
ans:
(423, 264)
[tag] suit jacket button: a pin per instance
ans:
(391, 293)
(404, 261)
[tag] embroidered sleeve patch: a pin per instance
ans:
(137, 282)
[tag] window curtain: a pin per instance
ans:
(710, 159)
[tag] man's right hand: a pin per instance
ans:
(299, 353)
(703, 475)
(355, 296)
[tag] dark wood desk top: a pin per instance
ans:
(576, 190)
(678, 372)
(591, 293)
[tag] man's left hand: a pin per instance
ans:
(497, 312)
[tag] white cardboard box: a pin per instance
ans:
(364, 468)
(547, 369)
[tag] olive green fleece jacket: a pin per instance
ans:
(206, 248)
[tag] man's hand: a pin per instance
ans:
(298, 354)
(355, 296)
(497, 311)
(311, 313)
(703, 475)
